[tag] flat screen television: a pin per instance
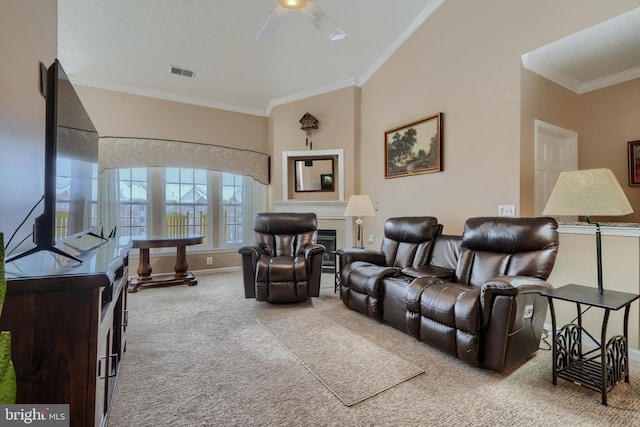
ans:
(70, 167)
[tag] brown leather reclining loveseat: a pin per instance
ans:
(476, 297)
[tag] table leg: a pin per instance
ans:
(144, 271)
(626, 340)
(181, 261)
(603, 357)
(182, 267)
(144, 265)
(554, 349)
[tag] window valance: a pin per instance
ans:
(116, 152)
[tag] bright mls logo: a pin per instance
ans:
(36, 415)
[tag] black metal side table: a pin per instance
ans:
(606, 365)
(336, 282)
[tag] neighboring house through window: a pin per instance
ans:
(173, 201)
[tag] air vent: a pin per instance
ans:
(181, 71)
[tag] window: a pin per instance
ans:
(232, 203)
(174, 201)
(186, 201)
(76, 203)
(134, 201)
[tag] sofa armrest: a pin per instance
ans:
(250, 257)
(313, 249)
(510, 286)
(349, 255)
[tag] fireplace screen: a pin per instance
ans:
(327, 238)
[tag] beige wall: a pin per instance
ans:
(605, 120)
(465, 62)
(543, 100)
(609, 119)
(124, 115)
(338, 127)
(28, 31)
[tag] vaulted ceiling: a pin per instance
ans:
(131, 46)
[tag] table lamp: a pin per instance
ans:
(585, 193)
(359, 206)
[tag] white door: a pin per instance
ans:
(556, 150)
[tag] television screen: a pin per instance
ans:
(76, 163)
(70, 167)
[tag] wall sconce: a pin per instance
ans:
(308, 123)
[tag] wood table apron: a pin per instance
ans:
(144, 266)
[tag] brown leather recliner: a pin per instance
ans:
(285, 264)
(407, 242)
(490, 312)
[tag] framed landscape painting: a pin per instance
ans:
(414, 148)
(634, 163)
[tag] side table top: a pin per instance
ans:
(159, 241)
(613, 300)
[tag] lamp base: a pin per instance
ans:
(359, 234)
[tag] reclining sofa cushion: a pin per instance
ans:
(506, 247)
(407, 242)
(442, 264)
(503, 265)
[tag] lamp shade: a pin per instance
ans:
(589, 192)
(360, 205)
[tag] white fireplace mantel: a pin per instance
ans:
(330, 215)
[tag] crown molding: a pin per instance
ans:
(420, 19)
(132, 90)
(610, 80)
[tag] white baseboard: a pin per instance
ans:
(634, 354)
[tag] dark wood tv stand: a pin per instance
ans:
(68, 325)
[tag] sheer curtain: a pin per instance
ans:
(108, 201)
(255, 201)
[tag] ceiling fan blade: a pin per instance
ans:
(323, 23)
(271, 26)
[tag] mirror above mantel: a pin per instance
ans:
(313, 175)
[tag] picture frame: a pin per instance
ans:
(414, 148)
(633, 154)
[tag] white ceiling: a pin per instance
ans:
(130, 46)
(600, 56)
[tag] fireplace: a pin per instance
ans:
(327, 238)
(335, 231)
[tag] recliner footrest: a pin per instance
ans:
(363, 291)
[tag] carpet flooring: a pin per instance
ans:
(353, 368)
(196, 356)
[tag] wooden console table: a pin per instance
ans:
(144, 243)
(68, 323)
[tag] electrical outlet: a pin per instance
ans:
(506, 210)
(372, 238)
(209, 260)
